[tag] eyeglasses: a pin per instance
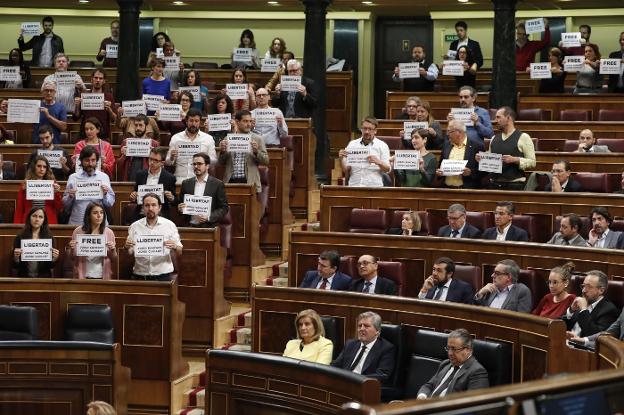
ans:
(455, 218)
(454, 349)
(499, 274)
(588, 286)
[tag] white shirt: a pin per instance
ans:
(184, 169)
(45, 57)
(152, 179)
(360, 365)
(500, 297)
(200, 187)
(155, 265)
(601, 241)
(272, 132)
(501, 236)
(370, 175)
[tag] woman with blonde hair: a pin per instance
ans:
(310, 344)
(410, 225)
(554, 304)
(100, 408)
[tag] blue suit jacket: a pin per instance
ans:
(458, 292)
(340, 282)
(469, 231)
(513, 234)
(379, 363)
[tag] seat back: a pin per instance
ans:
(90, 322)
(593, 182)
(610, 115)
(615, 293)
(18, 323)
(394, 387)
(9, 166)
(394, 271)
(527, 223)
(531, 114)
(480, 220)
(470, 274)
(575, 115)
(419, 370)
(81, 64)
(394, 142)
(225, 227)
(536, 284)
(368, 221)
(570, 145)
(332, 332)
(496, 358)
(616, 145)
(205, 65)
(348, 265)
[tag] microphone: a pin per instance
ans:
(301, 347)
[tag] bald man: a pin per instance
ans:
(587, 143)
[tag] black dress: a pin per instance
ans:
(554, 85)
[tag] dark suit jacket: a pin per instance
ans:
(513, 234)
(458, 292)
(519, 299)
(474, 47)
(341, 282)
(603, 315)
(572, 186)
(471, 376)
(469, 231)
(613, 79)
(303, 105)
(36, 44)
(379, 363)
(168, 181)
(8, 175)
(214, 188)
(383, 286)
(472, 148)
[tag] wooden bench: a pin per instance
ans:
(552, 104)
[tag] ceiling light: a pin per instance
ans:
(83, 1)
(179, 3)
(368, 3)
(273, 3)
(463, 1)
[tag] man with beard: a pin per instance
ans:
(600, 236)
(106, 116)
(44, 46)
(154, 175)
(130, 166)
(64, 162)
(441, 285)
(428, 74)
(568, 234)
(525, 48)
(88, 159)
(158, 267)
(112, 40)
(481, 124)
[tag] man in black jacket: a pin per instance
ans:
(504, 230)
(155, 174)
(616, 82)
(561, 180)
(45, 46)
(370, 282)
(458, 227)
(461, 28)
(296, 104)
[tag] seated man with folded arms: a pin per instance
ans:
(460, 372)
(616, 329)
(158, 267)
(568, 234)
(458, 227)
(505, 292)
(156, 174)
(441, 285)
(561, 180)
(587, 143)
(369, 282)
(600, 235)
(327, 276)
(504, 230)
(46, 138)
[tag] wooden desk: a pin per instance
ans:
(552, 104)
(441, 102)
(303, 170)
(279, 198)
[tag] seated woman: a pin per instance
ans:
(470, 68)
(94, 267)
(410, 225)
(277, 48)
(409, 112)
(588, 79)
(92, 127)
(192, 78)
(310, 344)
(556, 84)
(423, 177)
(222, 104)
(555, 304)
(423, 114)
(36, 227)
(16, 58)
(38, 169)
(185, 99)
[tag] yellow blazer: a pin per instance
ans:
(319, 351)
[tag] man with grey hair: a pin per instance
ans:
(460, 146)
(458, 227)
(299, 103)
(592, 312)
(65, 89)
(369, 354)
(481, 124)
(505, 292)
(616, 330)
(52, 113)
(460, 372)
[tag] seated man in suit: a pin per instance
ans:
(327, 276)
(505, 292)
(369, 355)
(600, 236)
(616, 329)
(460, 372)
(592, 312)
(569, 232)
(154, 175)
(561, 181)
(587, 143)
(459, 146)
(204, 185)
(6, 173)
(458, 227)
(370, 282)
(504, 230)
(441, 285)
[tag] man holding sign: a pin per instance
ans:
(459, 147)
(44, 46)
(269, 122)
(155, 175)
(67, 82)
(428, 74)
(525, 48)
(585, 31)
(107, 53)
(96, 103)
(296, 104)
(52, 113)
(481, 126)
(616, 82)
(135, 150)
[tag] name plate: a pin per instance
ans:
(91, 245)
(36, 250)
(407, 159)
(39, 189)
(490, 162)
(89, 190)
(149, 245)
(197, 205)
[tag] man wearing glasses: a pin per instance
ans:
(268, 122)
(505, 292)
(155, 175)
(481, 124)
(460, 372)
(460, 146)
(370, 282)
(561, 180)
(458, 227)
(53, 113)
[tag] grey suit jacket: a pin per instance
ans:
(518, 299)
(612, 239)
(600, 149)
(557, 239)
(616, 329)
(252, 161)
(470, 376)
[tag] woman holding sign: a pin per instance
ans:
(247, 42)
(239, 76)
(185, 99)
(470, 68)
(192, 79)
(92, 127)
(93, 256)
(423, 114)
(222, 104)
(422, 177)
(554, 85)
(588, 78)
(32, 242)
(38, 170)
(16, 58)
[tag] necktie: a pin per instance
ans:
(358, 358)
(566, 242)
(367, 286)
(454, 234)
(290, 108)
(439, 293)
(324, 284)
(444, 385)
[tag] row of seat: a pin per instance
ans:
(538, 114)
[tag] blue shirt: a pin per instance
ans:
(57, 110)
(78, 207)
(200, 104)
(152, 87)
(483, 129)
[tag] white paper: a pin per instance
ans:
(89, 190)
(534, 26)
(463, 114)
(239, 143)
(152, 102)
(187, 150)
(243, 55)
(409, 126)
(358, 157)
(541, 70)
(197, 205)
(10, 73)
(571, 39)
(160, 54)
(144, 189)
(573, 63)
(31, 28)
(138, 147)
(133, 108)
(452, 54)
(453, 167)
(193, 90)
(91, 245)
(290, 83)
(66, 79)
(24, 110)
(219, 122)
(112, 51)
(491, 162)
(92, 101)
(236, 91)
(53, 157)
(270, 65)
(170, 112)
(265, 116)
(39, 189)
(149, 245)
(172, 62)
(36, 250)
(407, 159)
(610, 66)
(409, 70)
(453, 68)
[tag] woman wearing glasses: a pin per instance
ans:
(555, 303)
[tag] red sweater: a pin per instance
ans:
(526, 54)
(548, 308)
(51, 208)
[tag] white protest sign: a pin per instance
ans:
(10, 73)
(453, 68)
(152, 101)
(236, 91)
(219, 122)
(149, 245)
(66, 79)
(541, 70)
(270, 65)
(92, 101)
(573, 63)
(23, 110)
(31, 28)
(407, 159)
(53, 157)
(197, 205)
(451, 54)
(112, 51)
(39, 189)
(144, 189)
(239, 143)
(358, 157)
(172, 62)
(138, 147)
(170, 112)
(534, 26)
(452, 167)
(265, 116)
(133, 108)
(195, 90)
(290, 83)
(490, 162)
(409, 70)
(89, 190)
(410, 126)
(36, 250)
(186, 150)
(243, 55)
(610, 66)
(571, 39)
(160, 54)
(463, 114)
(91, 245)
